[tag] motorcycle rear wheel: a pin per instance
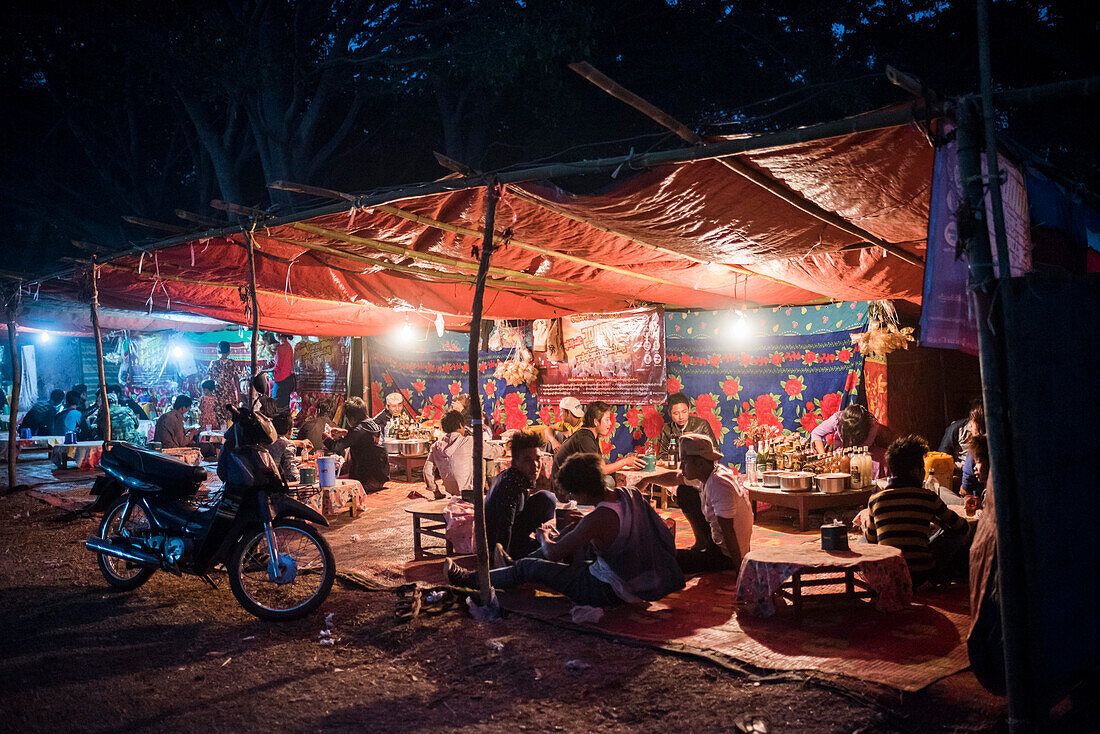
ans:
(122, 574)
(313, 572)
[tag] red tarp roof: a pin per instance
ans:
(697, 234)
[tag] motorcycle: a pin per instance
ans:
(280, 567)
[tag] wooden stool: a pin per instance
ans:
(422, 514)
(407, 463)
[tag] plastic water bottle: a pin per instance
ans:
(750, 464)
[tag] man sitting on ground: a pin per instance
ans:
(453, 457)
(513, 509)
(725, 507)
(635, 554)
(367, 462)
(901, 516)
(170, 433)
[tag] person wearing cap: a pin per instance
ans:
(570, 417)
(367, 460)
(725, 506)
(394, 406)
(453, 457)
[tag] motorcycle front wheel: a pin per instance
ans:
(306, 570)
(122, 574)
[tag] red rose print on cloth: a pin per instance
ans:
(830, 404)
(673, 384)
(545, 415)
(745, 421)
(765, 403)
(634, 418)
(490, 388)
(851, 382)
(455, 387)
(809, 421)
(418, 385)
(794, 386)
(776, 358)
(652, 423)
(714, 360)
(706, 407)
(435, 407)
(844, 355)
(731, 387)
(809, 357)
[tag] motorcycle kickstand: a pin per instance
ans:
(206, 577)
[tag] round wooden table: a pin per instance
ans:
(781, 570)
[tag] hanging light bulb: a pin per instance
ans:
(44, 337)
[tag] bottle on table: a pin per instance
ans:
(750, 464)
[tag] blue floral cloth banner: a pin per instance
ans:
(790, 382)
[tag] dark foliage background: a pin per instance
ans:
(142, 107)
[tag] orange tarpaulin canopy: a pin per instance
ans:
(693, 235)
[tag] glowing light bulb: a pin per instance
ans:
(45, 337)
(178, 352)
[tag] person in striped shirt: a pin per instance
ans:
(902, 516)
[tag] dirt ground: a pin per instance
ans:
(177, 655)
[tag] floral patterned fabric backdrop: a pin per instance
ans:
(792, 382)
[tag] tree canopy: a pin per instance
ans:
(142, 107)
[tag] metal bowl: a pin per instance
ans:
(833, 482)
(796, 481)
(412, 447)
(771, 478)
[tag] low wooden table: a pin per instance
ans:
(804, 502)
(784, 571)
(424, 513)
(408, 463)
(653, 492)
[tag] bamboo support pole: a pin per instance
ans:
(740, 167)
(417, 255)
(386, 265)
(11, 306)
(105, 418)
(481, 543)
(255, 299)
(429, 222)
(990, 321)
(520, 193)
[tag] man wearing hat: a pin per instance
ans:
(393, 410)
(725, 507)
(570, 417)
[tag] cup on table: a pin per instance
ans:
(650, 462)
(70, 438)
(307, 475)
(24, 433)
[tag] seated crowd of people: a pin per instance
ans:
(68, 412)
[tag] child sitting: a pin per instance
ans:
(282, 451)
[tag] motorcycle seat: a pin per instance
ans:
(163, 471)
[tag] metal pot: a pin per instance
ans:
(413, 447)
(796, 481)
(832, 483)
(771, 478)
